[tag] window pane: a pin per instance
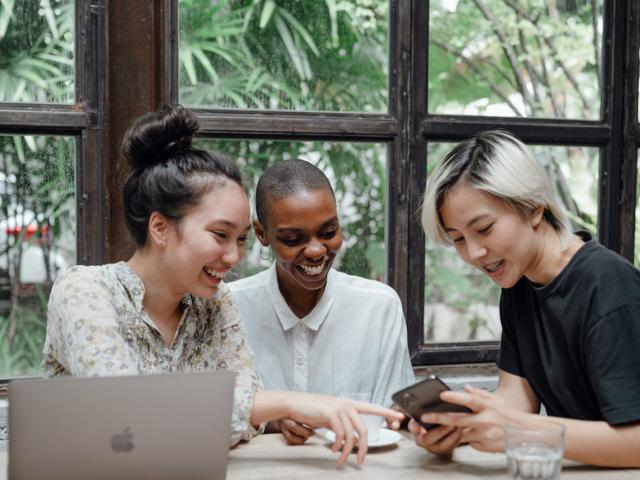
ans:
(357, 174)
(37, 51)
(535, 58)
(37, 241)
(284, 54)
(461, 303)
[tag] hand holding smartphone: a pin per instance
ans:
(424, 397)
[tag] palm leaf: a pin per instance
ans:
(304, 33)
(267, 11)
(5, 16)
(186, 59)
(290, 45)
(49, 15)
(206, 64)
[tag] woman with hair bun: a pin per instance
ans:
(167, 308)
(570, 309)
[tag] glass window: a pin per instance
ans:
(37, 241)
(284, 54)
(357, 172)
(37, 51)
(461, 303)
(536, 58)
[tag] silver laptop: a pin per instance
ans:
(146, 427)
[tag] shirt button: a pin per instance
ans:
(300, 361)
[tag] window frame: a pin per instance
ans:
(82, 120)
(407, 127)
(127, 64)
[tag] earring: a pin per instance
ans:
(266, 253)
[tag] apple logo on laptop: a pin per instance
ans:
(122, 442)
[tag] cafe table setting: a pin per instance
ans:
(269, 457)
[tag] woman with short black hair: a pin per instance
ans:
(313, 328)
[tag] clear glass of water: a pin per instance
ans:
(534, 453)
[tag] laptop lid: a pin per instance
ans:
(146, 427)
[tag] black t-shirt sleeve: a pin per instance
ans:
(612, 351)
(509, 358)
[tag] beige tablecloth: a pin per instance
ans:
(268, 457)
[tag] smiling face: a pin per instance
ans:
(489, 235)
(208, 241)
(305, 236)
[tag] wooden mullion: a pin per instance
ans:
(91, 94)
(41, 119)
(530, 130)
(297, 126)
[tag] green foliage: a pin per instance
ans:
(534, 57)
(302, 55)
(36, 51)
(25, 356)
(357, 172)
(284, 54)
(331, 55)
(323, 55)
(37, 186)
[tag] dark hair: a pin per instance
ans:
(169, 175)
(284, 179)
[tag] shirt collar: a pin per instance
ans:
(287, 318)
(131, 282)
(134, 286)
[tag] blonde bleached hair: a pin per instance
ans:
(497, 163)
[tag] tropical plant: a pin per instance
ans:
(534, 58)
(36, 174)
(36, 51)
(288, 54)
(503, 57)
(284, 54)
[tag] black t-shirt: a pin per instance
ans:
(577, 339)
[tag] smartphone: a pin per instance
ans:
(424, 397)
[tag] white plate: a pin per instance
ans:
(387, 437)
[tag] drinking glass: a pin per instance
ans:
(534, 453)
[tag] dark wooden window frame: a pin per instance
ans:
(83, 120)
(408, 127)
(126, 65)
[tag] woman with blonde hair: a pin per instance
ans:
(569, 308)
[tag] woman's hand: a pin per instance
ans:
(340, 415)
(482, 428)
(441, 440)
(294, 433)
(393, 424)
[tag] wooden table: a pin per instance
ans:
(268, 457)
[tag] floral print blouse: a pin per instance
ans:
(97, 326)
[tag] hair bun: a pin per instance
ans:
(158, 135)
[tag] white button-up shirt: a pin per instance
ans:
(353, 343)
